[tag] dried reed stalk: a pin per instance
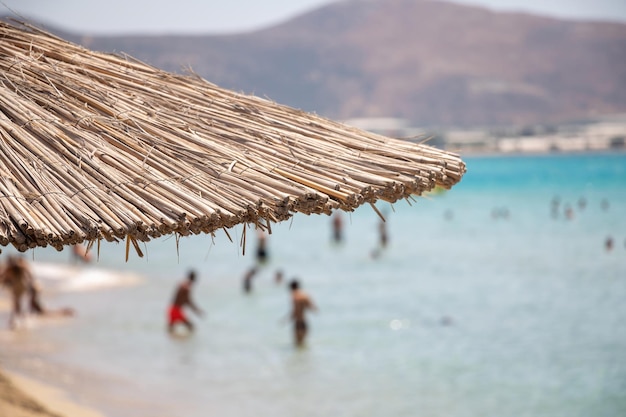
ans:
(98, 146)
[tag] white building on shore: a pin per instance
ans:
(604, 134)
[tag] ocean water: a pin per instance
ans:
(488, 301)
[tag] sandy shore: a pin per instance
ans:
(24, 397)
(14, 402)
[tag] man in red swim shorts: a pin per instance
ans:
(182, 298)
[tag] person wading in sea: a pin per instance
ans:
(301, 302)
(182, 298)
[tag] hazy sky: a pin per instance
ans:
(228, 16)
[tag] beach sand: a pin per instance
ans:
(15, 402)
(24, 397)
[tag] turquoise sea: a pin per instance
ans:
(488, 301)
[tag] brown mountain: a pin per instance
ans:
(434, 63)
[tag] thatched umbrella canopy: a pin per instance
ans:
(99, 146)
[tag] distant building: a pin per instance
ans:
(608, 133)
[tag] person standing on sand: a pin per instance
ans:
(17, 277)
(80, 254)
(182, 298)
(301, 302)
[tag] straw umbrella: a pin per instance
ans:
(99, 146)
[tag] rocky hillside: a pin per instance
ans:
(433, 63)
